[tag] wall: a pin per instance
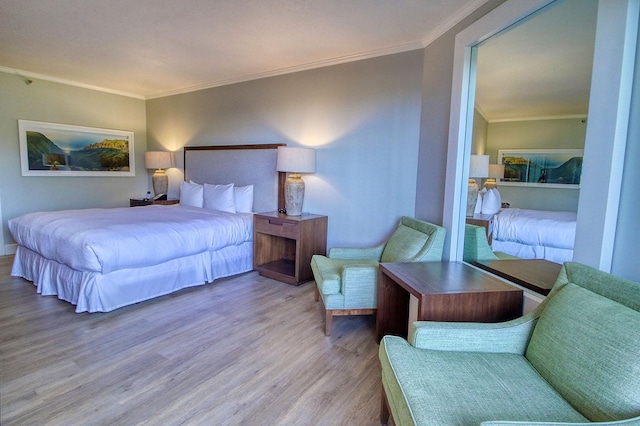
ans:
(567, 133)
(362, 117)
(434, 123)
(59, 103)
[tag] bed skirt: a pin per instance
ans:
(553, 254)
(96, 292)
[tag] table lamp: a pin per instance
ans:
(295, 161)
(496, 171)
(478, 168)
(159, 160)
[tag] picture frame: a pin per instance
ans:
(544, 168)
(50, 149)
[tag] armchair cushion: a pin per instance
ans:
(476, 387)
(404, 244)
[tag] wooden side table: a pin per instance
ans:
(484, 220)
(283, 245)
(538, 275)
(441, 291)
(136, 202)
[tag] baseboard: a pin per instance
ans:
(10, 249)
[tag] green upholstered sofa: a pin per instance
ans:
(347, 279)
(575, 359)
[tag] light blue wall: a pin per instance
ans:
(60, 103)
(363, 118)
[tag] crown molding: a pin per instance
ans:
(297, 68)
(451, 22)
(549, 117)
(44, 77)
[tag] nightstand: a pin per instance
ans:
(484, 220)
(135, 202)
(283, 245)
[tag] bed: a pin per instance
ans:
(535, 234)
(104, 259)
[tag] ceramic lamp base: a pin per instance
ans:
(160, 182)
(294, 194)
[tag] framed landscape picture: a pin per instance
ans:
(550, 168)
(49, 149)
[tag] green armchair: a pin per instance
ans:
(477, 248)
(347, 279)
(575, 359)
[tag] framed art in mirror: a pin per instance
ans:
(550, 168)
(49, 149)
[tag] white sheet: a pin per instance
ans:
(552, 254)
(107, 240)
(535, 228)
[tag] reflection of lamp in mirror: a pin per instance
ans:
(159, 160)
(496, 172)
(295, 161)
(478, 168)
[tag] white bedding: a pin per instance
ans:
(535, 234)
(103, 259)
(106, 240)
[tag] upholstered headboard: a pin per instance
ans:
(241, 165)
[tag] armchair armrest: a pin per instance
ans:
(628, 422)
(359, 283)
(509, 336)
(353, 253)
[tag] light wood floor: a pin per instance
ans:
(247, 350)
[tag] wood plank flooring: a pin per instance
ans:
(246, 350)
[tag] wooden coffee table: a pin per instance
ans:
(441, 291)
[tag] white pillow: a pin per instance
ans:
(478, 209)
(191, 194)
(219, 197)
(244, 198)
(491, 202)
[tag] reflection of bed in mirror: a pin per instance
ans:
(121, 256)
(535, 234)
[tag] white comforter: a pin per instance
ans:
(105, 240)
(535, 227)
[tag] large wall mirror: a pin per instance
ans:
(532, 84)
(532, 78)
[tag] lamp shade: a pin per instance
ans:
(296, 160)
(479, 166)
(159, 159)
(496, 171)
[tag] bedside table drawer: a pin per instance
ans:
(277, 227)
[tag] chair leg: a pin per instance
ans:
(317, 293)
(384, 409)
(328, 317)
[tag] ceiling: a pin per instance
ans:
(154, 48)
(540, 67)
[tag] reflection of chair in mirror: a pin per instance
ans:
(347, 279)
(476, 247)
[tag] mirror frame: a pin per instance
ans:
(612, 78)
